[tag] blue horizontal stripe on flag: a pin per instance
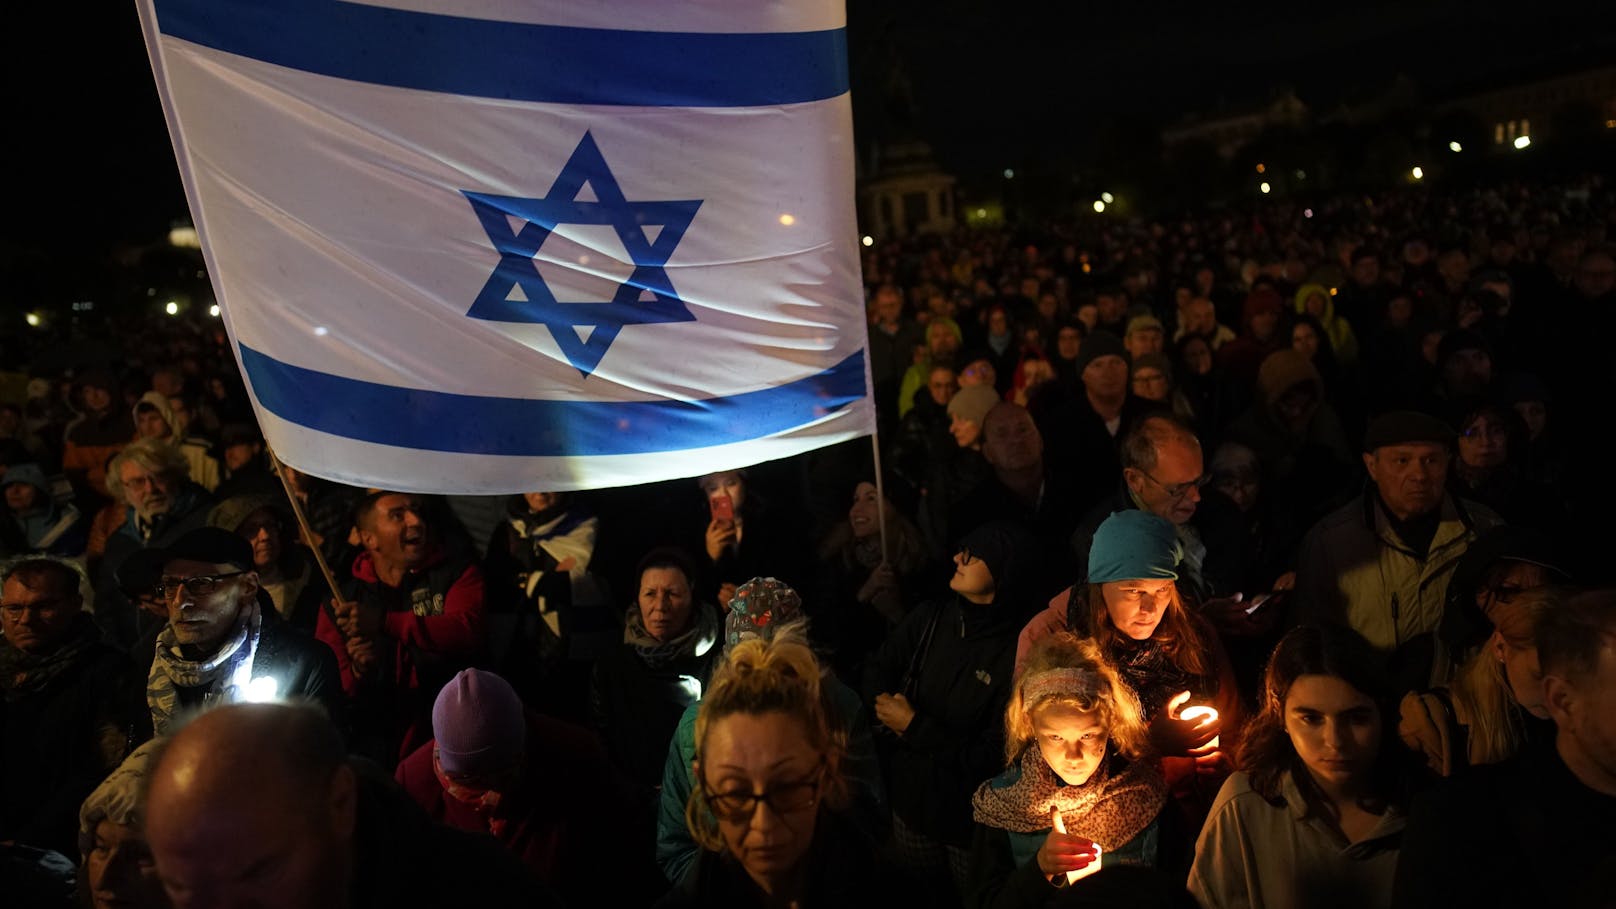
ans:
(473, 424)
(517, 61)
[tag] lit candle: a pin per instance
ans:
(1086, 870)
(1205, 715)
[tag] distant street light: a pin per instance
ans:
(172, 308)
(1265, 188)
(868, 240)
(1455, 147)
(1418, 172)
(1099, 205)
(1009, 174)
(1523, 141)
(32, 319)
(1107, 198)
(214, 310)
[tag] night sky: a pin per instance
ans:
(92, 166)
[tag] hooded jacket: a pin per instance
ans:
(205, 470)
(92, 439)
(47, 528)
(1342, 339)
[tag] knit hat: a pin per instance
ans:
(759, 607)
(1144, 322)
(229, 514)
(972, 403)
(1404, 427)
(1007, 549)
(479, 724)
(117, 799)
(1097, 345)
(1134, 544)
(1460, 339)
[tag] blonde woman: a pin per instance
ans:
(1074, 740)
(767, 807)
(1495, 702)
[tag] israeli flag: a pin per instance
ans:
(489, 246)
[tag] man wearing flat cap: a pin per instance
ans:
(224, 641)
(1381, 563)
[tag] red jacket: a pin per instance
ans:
(432, 627)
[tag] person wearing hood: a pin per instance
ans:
(35, 523)
(639, 691)
(154, 419)
(939, 686)
(101, 431)
(1318, 301)
(1296, 434)
(1259, 336)
(224, 642)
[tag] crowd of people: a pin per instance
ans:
(1243, 559)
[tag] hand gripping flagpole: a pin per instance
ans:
(303, 525)
(880, 494)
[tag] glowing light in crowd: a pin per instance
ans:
(788, 219)
(1523, 141)
(1455, 147)
(1059, 824)
(1205, 715)
(1107, 198)
(32, 319)
(1418, 172)
(1009, 174)
(172, 308)
(1265, 188)
(1307, 212)
(981, 213)
(214, 310)
(1099, 205)
(1262, 169)
(262, 689)
(184, 238)
(868, 240)
(321, 331)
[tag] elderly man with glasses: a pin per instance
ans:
(1164, 473)
(224, 642)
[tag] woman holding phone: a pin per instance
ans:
(744, 538)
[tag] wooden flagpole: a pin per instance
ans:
(303, 525)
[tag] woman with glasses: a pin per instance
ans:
(1168, 657)
(767, 804)
(1074, 741)
(1315, 816)
(939, 686)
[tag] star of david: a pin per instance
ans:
(516, 292)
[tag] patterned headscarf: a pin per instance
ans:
(758, 607)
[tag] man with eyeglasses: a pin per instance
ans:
(224, 642)
(1381, 563)
(67, 703)
(1164, 473)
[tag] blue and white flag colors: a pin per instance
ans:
(489, 246)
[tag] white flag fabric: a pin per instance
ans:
(489, 246)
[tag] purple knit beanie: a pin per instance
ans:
(479, 724)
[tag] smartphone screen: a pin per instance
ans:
(723, 507)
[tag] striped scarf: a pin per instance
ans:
(224, 674)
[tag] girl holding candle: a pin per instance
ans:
(1076, 795)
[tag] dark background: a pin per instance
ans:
(989, 85)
